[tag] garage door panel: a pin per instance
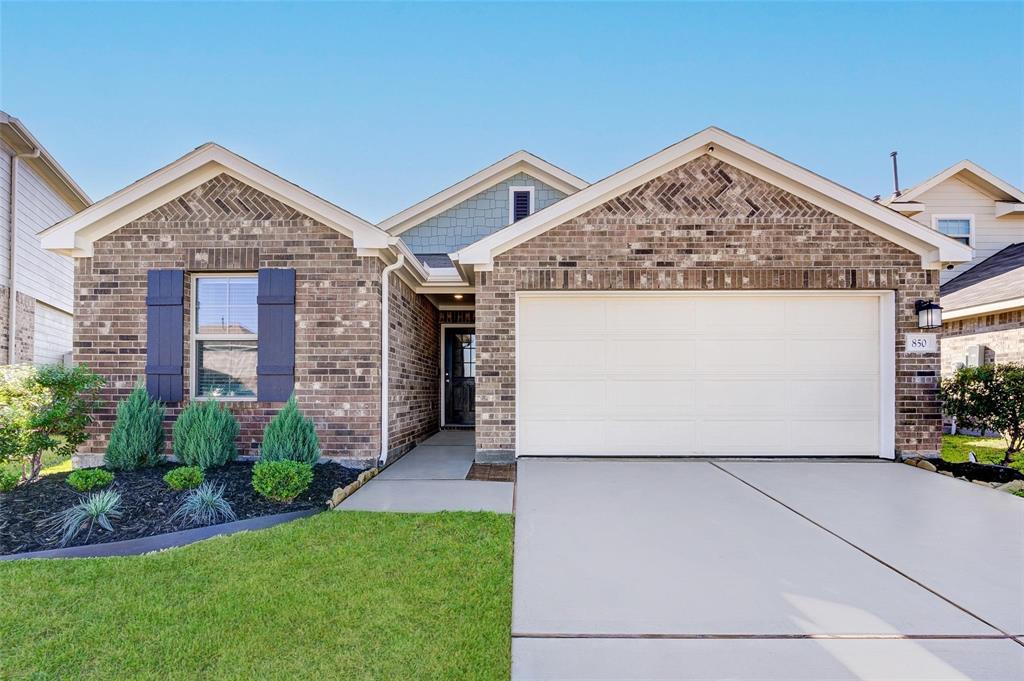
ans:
(699, 374)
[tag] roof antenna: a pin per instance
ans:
(895, 176)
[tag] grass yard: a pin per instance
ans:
(339, 595)
(988, 449)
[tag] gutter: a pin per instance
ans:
(12, 309)
(385, 349)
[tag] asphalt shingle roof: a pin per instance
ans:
(996, 278)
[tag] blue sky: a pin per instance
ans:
(375, 106)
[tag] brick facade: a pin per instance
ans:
(413, 369)
(703, 226)
(1002, 334)
(24, 334)
(225, 225)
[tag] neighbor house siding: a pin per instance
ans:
(53, 334)
(703, 226)
(1002, 335)
(225, 225)
(476, 217)
(991, 234)
(413, 370)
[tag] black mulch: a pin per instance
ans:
(979, 471)
(146, 504)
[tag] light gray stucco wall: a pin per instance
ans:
(476, 217)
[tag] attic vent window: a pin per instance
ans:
(959, 227)
(520, 203)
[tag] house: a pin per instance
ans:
(982, 299)
(711, 299)
(36, 286)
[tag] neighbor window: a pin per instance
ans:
(520, 203)
(958, 227)
(225, 336)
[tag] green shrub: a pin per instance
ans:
(204, 435)
(8, 480)
(44, 410)
(88, 479)
(137, 438)
(290, 436)
(204, 505)
(989, 397)
(184, 477)
(281, 480)
(98, 508)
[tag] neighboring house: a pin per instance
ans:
(983, 299)
(35, 192)
(711, 299)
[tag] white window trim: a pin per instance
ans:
(955, 216)
(195, 336)
(511, 205)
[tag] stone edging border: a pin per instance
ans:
(158, 542)
(342, 493)
(926, 465)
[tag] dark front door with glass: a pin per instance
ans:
(459, 376)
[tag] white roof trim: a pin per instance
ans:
(999, 188)
(932, 246)
(519, 162)
(75, 235)
(983, 309)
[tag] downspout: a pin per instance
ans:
(12, 237)
(385, 349)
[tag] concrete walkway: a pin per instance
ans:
(775, 571)
(431, 478)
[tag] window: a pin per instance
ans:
(520, 203)
(224, 338)
(959, 227)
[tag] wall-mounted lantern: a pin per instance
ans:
(929, 314)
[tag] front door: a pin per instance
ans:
(459, 376)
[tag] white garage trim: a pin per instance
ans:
(886, 398)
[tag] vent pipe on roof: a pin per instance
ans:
(895, 176)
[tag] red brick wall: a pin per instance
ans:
(413, 369)
(1002, 334)
(225, 225)
(704, 225)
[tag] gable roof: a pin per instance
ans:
(76, 235)
(973, 174)
(995, 284)
(933, 247)
(519, 162)
(22, 141)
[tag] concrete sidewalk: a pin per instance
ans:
(431, 478)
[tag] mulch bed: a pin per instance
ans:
(146, 504)
(492, 472)
(979, 471)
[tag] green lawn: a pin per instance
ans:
(988, 449)
(336, 596)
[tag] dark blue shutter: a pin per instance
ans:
(275, 363)
(165, 334)
(520, 205)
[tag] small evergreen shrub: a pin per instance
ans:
(8, 480)
(204, 435)
(281, 480)
(88, 479)
(290, 436)
(204, 505)
(184, 477)
(137, 438)
(98, 508)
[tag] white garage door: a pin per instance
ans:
(704, 374)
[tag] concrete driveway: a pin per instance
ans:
(774, 571)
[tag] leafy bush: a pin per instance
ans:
(137, 438)
(88, 479)
(988, 397)
(184, 477)
(281, 480)
(204, 505)
(290, 436)
(204, 435)
(8, 481)
(96, 509)
(45, 409)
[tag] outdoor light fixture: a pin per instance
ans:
(929, 314)
(457, 296)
